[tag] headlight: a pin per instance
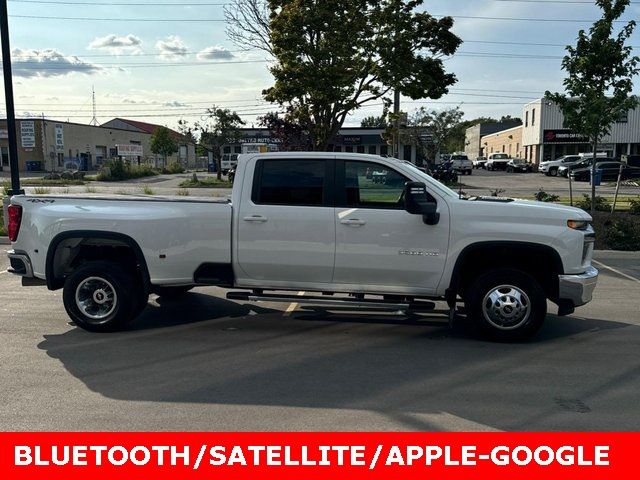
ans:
(578, 224)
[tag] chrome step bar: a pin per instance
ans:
(420, 305)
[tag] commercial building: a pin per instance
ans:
(473, 137)
(506, 141)
(545, 137)
(52, 145)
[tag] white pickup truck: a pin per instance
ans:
(313, 222)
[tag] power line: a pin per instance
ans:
(222, 20)
(585, 2)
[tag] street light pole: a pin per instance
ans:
(8, 94)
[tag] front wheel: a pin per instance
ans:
(506, 305)
(553, 172)
(100, 297)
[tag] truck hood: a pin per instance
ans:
(530, 208)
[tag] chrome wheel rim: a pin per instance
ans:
(96, 299)
(506, 307)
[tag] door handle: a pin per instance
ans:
(353, 222)
(256, 219)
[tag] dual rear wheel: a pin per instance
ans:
(101, 296)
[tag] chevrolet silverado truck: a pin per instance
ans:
(312, 222)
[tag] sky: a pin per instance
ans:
(161, 71)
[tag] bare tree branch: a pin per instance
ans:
(248, 24)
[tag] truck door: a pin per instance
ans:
(377, 241)
(286, 232)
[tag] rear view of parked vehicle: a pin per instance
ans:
(461, 164)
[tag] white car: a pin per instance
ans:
(312, 222)
(480, 162)
(552, 167)
(497, 161)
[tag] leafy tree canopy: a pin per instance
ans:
(163, 142)
(332, 57)
(600, 70)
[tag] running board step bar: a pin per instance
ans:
(423, 306)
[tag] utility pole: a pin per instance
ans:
(8, 95)
(94, 120)
(396, 115)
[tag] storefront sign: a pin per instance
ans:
(28, 133)
(59, 137)
(564, 136)
(129, 150)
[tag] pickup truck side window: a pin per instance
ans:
(371, 185)
(290, 182)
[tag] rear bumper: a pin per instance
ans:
(20, 264)
(578, 289)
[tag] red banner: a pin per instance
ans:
(495, 456)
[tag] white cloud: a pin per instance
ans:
(30, 63)
(215, 53)
(117, 44)
(171, 47)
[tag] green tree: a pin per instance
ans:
(600, 71)
(334, 56)
(429, 130)
(291, 136)
(163, 143)
(221, 127)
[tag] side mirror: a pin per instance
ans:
(416, 202)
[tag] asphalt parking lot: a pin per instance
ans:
(206, 363)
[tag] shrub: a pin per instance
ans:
(634, 206)
(42, 191)
(90, 190)
(183, 192)
(173, 168)
(117, 170)
(147, 190)
(622, 234)
(602, 204)
(6, 186)
(543, 196)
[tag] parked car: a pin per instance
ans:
(518, 165)
(480, 162)
(610, 171)
(310, 222)
(231, 174)
(585, 163)
(461, 164)
(498, 161)
(552, 167)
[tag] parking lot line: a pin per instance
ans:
(293, 306)
(616, 271)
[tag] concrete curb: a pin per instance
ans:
(4, 241)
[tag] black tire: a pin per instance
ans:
(553, 171)
(520, 290)
(97, 282)
(171, 292)
(470, 172)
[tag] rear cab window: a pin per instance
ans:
(293, 182)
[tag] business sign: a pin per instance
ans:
(59, 137)
(129, 150)
(564, 136)
(350, 139)
(28, 133)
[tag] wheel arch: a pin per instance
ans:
(55, 281)
(542, 260)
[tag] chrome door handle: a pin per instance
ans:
(256, 219)
(353, 222)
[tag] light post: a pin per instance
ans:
(8, 93)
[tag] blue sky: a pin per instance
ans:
(487, 85)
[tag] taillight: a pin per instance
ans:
(15, 217)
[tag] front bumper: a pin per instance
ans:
(578, 289)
